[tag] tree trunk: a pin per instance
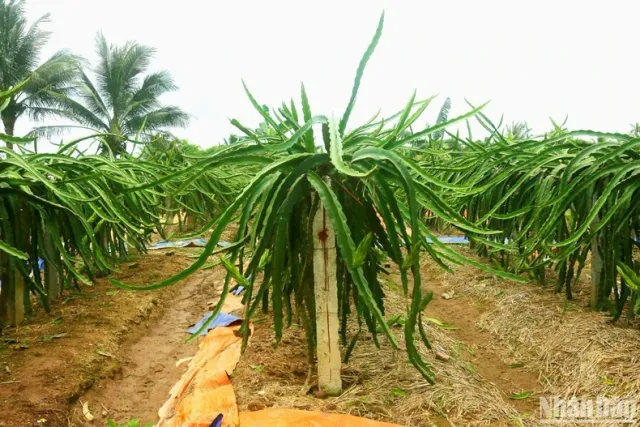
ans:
(23, 239)
(51, 275)
(9, 128)
(14, 299)
(12, 287)
(5, 286)
(12, 303)
(326, 296)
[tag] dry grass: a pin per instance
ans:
(378, 383)
(459, 393)
(568, 349)
(575, 351)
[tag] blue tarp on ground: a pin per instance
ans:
(451, 240)
(237, 290)
(461, 240)
(222, 319)
(188, 243)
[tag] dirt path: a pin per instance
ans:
(117, 352)
(148, 361)
(112, 348)
(473, 386)
(463, 314)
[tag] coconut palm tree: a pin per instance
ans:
(123, 101)
(20, 47)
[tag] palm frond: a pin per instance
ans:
(145, 98)
(78, 112)
(92, 98)
(20, 44)
(57, 74)
(30, 46)
(168, 116)
(57, 130)
(20, 48)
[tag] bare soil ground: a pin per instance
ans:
(503, 340)
(110, 347)
(380, 384)
(117, 351)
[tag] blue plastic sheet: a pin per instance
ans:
(451, 240)
(237, 290)
(217, 421)
(222, 319)
(460, 240)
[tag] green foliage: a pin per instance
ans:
(520, 396)
(528, 203)
(122, 101)
(83, 215)
(37, 85)
(373, 197)
(552, 198)
(442, 117)
(518, 131)
(168, 150)
(198, 201)
(131, 423)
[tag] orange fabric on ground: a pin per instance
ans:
(203, 404)
(204, 391)
(277, 417)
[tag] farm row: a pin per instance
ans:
(363, 194)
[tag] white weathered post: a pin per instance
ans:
(326, 295)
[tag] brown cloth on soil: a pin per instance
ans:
(205, 391)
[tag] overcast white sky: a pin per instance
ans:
(532, 59)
